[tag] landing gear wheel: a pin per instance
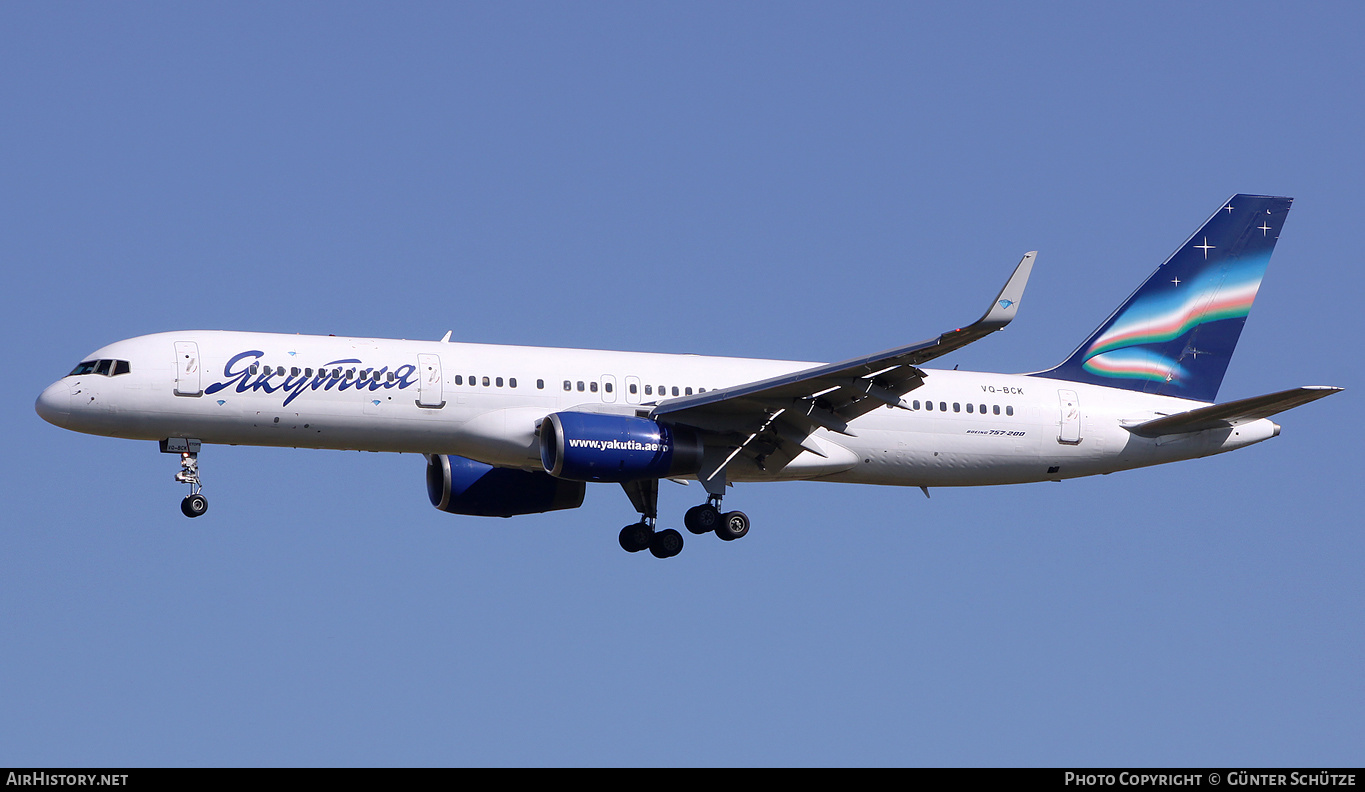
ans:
(702, 519)
(733, 525)
(636, 537)
(194, 505)
(666, 543)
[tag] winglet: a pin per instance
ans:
(1006, 303)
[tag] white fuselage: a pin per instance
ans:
(485, 402)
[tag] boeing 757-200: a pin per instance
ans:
(511, 430)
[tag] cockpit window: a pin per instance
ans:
(107, 368)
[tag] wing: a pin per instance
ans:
(771, 420)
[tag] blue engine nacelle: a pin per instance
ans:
(463, 486)
(593, 447)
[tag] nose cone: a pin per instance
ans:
(54, 405)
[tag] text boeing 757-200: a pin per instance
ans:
(518, 430)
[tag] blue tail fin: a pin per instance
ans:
(1176, 333)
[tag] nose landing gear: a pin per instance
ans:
(195, 503)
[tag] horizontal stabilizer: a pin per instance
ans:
(1222, 416)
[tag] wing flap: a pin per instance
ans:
(1221, 416)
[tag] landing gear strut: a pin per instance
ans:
(195, 503)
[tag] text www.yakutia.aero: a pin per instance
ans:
(617, 445)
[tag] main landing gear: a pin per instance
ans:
(643, 536)
(644, 496)
(195, 503)
(666, 543)
(707, 518)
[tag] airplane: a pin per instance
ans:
(514, 430)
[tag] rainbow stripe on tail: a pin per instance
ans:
(1175, 335)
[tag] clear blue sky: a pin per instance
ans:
(780, 180)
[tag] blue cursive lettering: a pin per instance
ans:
(340, 374)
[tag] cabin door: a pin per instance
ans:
(429, 393)
(1070, 431)
(187, 369)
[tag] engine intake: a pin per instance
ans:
(462, 486)
(592, 447)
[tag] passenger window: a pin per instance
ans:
(568, 385)
(687, 392)
(540, 384)
(390, 376)
(1009, 410)
(983, 409)
(459, 379)
(914, 405)
(675, 390)
(634, 388)
(485, 382)
(255, 368)
(607, 386)
(649, 390)
(995, 409)
(580, 386)
(512, 382)
(592, 386)
(929, 406)
(957, 407)
(498, 382)
(969, 407)
(943, 406)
